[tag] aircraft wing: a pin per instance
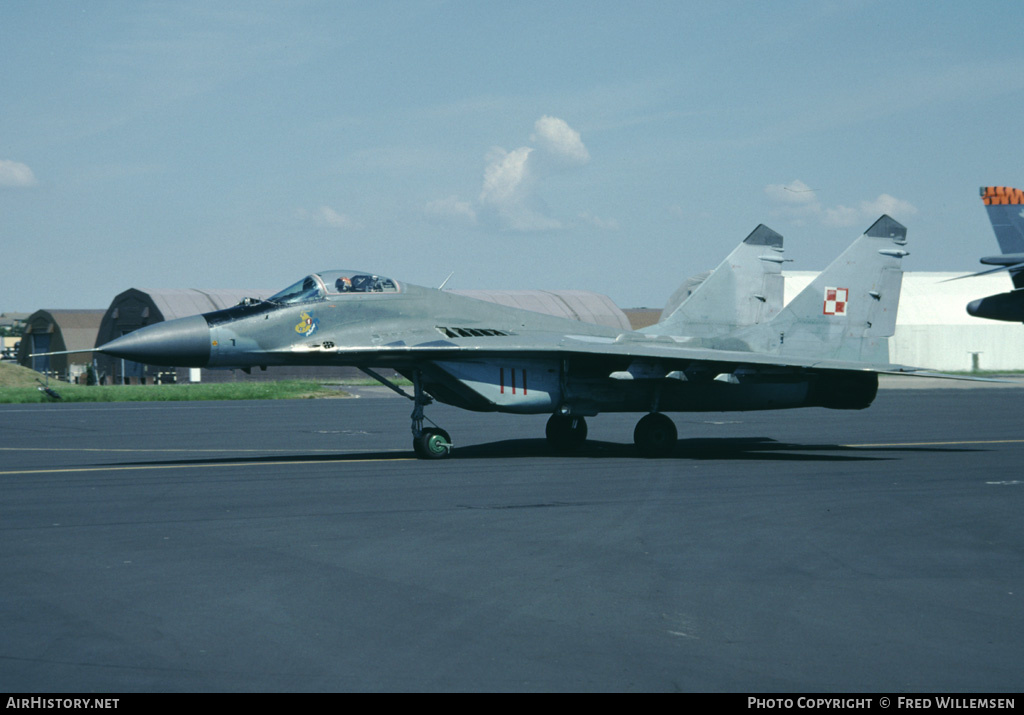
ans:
(629, 350)
(615, 350)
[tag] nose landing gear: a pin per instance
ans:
(431, 442)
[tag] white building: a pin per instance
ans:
(933, 329)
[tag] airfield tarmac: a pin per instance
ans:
(298, 546)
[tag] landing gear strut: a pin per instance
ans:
(566, 433)
(655, 435)
(432, 442)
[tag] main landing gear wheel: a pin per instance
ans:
(432, 443)
(566, 433)
(655, 435)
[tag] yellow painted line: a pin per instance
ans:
(937, 444)
(144, 467)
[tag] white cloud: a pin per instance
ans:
(840, 216)
(557, 137)
(15, 174)
(328, 217)
(799, 203)
(886, 204)
(795, 192)
(506, 177)
(508, 192)
(868, 211)
(509, 195)
(452, 208)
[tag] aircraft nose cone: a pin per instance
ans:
(184, 342)
(973, 307)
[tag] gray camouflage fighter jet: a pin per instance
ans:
(729, 345)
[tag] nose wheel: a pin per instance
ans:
(432, 443)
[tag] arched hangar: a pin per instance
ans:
(57, 331)
(138, 307)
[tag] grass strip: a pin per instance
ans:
(281, 390)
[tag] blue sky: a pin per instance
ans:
(608, 146)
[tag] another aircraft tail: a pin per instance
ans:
(1005, 207)
(848, 312)
(745, 289)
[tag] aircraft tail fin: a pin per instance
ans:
(848, 312)
(745, 289)
(1005, 207)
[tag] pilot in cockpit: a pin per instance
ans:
(343, 284)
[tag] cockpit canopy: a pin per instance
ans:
(330, 284)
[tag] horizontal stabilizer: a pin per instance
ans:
(1006, 259)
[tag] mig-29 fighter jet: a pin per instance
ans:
(730, 345)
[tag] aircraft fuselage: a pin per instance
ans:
(470, 354)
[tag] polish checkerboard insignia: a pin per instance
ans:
(836, 300)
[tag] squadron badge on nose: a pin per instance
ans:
(307, 324)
